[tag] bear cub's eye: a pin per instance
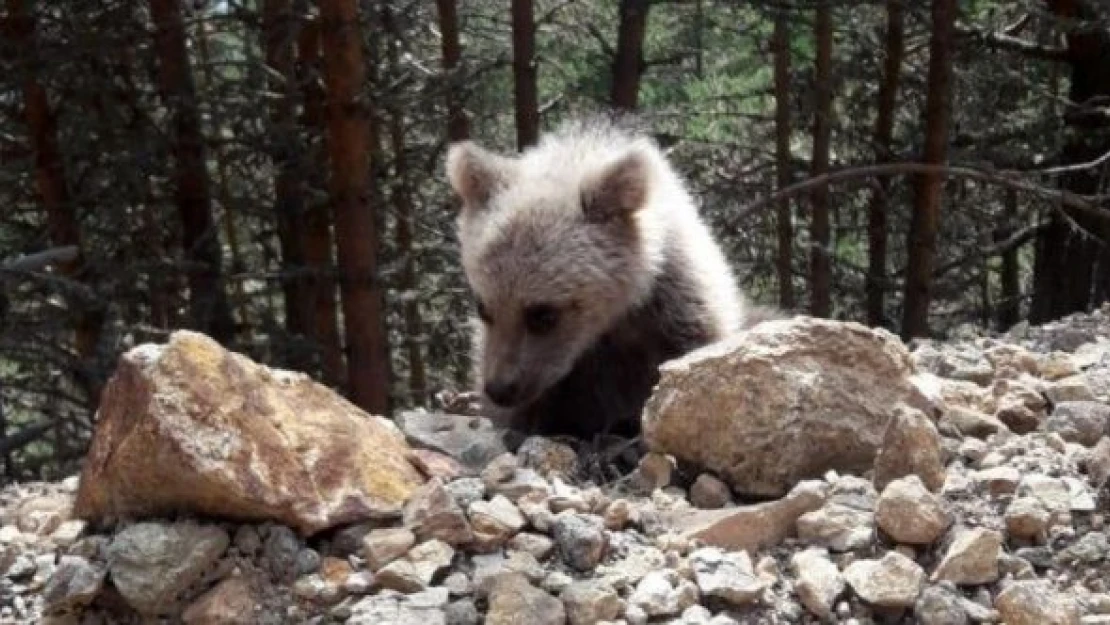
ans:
(541, 318)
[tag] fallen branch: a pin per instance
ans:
(38, 260)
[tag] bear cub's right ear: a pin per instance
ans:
(475, 173)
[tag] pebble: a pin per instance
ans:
(581, 539)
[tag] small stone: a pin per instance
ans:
(280, 551)
(151, 563)
(709, 492)
(1083, 422)
(538, 545)
(547, 457)
(402, 576)
(819, 581)
(556, 582)
(1035, 602)
(1071, 388)
(514, 600)
(590, 601)
(1098, 463)
(1002, 480)
(837, 527)
(433, 513)
(68, 532)
(466, 491)
(617, 515)
(663, 593)
(972, 558)
(726, 575)
(359, 583)
(349, 540)
(495, 521)
(911, 514)
(247, 540)
(581, 539)
(1056, 365)
(382, 546)
(971, 422)
(654, 471)
(231, 602)
(939, 606)
(911, 445)
(458, 584)
(1052, 492)
(307, 561)
(1027, 518)
(462, 612)
(74, 584)
(894, 581)
(536, 510)
(418, 568)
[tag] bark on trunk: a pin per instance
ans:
(884, 133)
(1072, 266)
(820, 263)
(278, 30)
(62, 224)
(408, 282)
(208, 303)
(924, 223)
(458, 126)
(356, 233)
(784, 261)
(1008, 311)
(317, 245)
(524, 74)
(628, 65)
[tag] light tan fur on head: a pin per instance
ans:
(568, 238)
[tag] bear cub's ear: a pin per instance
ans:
(619, 190)
(477, 174)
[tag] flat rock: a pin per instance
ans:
(74, 584)
(231, 602)
(752, 527)
(1083, 422)
(590, 601)
(514, 600)
(152, 563)
(189, 426)
(473, 441)
(1035, 602)
(894, 581)
(971, 559)
(726, 575)
(392, 608)
(495, 521)
(382, 546)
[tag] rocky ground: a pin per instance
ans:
(812, 472)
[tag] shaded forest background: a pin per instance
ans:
(270, 171)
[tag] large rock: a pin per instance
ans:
(191, 427)
(785, 401)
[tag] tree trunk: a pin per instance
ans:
(1008, 310)
(208, 303)
(408, 282)
(922, 239)
(524, 74)
(458, 126)
(63, 228)
(884, 134)
(1072, 266)
(356, 233)
(784, 262)
(628, 65)
(278, 29)
(317, 246)
(820, 263)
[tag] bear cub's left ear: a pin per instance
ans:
(619, 190)
(477, 174)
